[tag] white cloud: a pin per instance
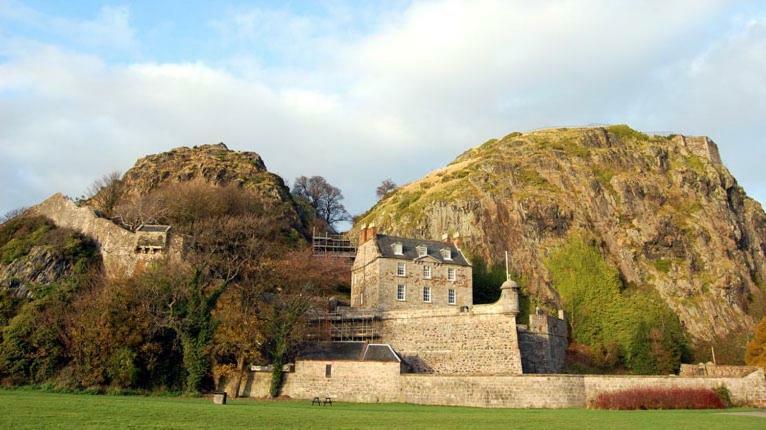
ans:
(419, 89)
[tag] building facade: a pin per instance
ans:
(391, 273)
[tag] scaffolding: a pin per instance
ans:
(332, 245)
(345, 327)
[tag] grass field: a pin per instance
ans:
(27, 409)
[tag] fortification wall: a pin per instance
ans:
(363, 381)
(701, 146)
(448, 341)
(543, 344)
(560, 391)
(366, 383)
(710, 369)
(117, 245)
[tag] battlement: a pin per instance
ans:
(701, 146)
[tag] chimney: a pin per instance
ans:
(371, 231)
(362, 234)
(456, 240)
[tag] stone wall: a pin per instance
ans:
(718, 370)
(449, 341)
(543, 344)
(363, 381)
(701, 146)
(560, 391)
(380, 382)
(351, 381)
(116, 244)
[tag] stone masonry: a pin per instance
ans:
(447, 341)
(375, 276)
(116, 244)
(380, 382)
(543, 343)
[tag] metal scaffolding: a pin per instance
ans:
(344, 327)
(332, 245)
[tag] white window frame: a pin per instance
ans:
(427, 272)
(451, 296)
(451, 274)
(401, 288)
(446, 254)
(422, 251)
(427, 295)
(398, 248)
(401, 269)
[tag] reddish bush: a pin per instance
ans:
(659, 398)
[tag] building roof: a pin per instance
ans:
(348, 351)
(409, 249)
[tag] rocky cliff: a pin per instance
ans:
(215, 165)
(662, 209)
(35, 252)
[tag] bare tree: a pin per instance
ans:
(11, 214)
(385, 188)
(323, 197)
(105, 192)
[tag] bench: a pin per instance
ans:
(318, 401)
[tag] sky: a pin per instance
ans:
(360, 91)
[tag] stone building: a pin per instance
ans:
(417, 296)
(392, 272)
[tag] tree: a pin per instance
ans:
(12, 214)
(385, 187)
(755, 355)
(323, 197)
(105, 192)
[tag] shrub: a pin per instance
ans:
(724, 394)
(659, 398)
(122, 368)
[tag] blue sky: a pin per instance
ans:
(361, 91)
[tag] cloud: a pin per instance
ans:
(402, 94)
(108, 30)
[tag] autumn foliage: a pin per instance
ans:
(659, 398)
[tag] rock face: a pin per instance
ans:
(36, 252)
(216, 165)
(663, 209)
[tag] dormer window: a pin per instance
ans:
(446, 253)
(397, 248)
(422, 250)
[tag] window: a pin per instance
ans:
(401, 269)
(426, 272)
(451, 274)
(401, 292)
(422, 250)
(446, 254)
(397, 248)
(427, 294)
(451, 296)
(327, 370)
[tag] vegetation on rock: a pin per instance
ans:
(665, 214)
(238, 297)
(755, 355)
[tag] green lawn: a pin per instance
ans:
(26, 409)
